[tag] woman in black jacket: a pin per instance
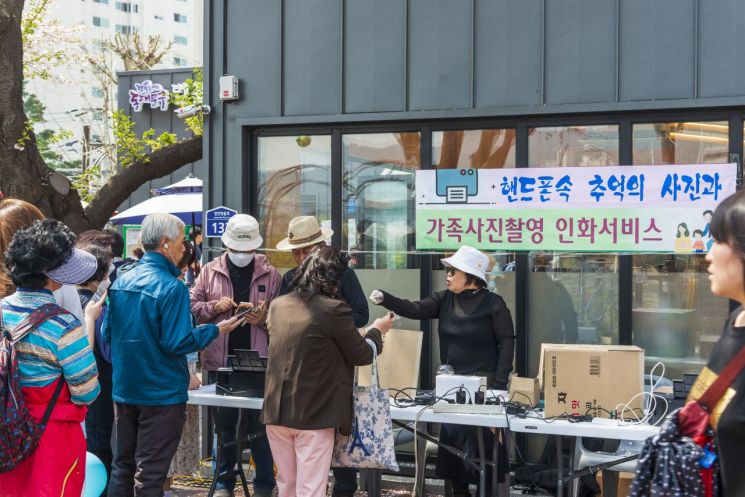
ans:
(477, 337)
(727, 276)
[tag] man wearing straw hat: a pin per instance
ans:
(303, 235)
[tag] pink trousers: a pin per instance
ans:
(303, 459)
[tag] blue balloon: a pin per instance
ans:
(95, 476)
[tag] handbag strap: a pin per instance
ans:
(33, 320)
(716, 390)
(26, 326)
(374, 380)
(52, 402)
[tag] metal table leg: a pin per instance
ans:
(421, 457)
(496, 461)
(371, 481)
(559, 467)
(482, 461)
(221, 444)
(239, 437)
(610, 483)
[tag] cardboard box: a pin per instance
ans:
(624, 483)
(525, 391)
(595, 378)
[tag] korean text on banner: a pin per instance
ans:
(608, 209)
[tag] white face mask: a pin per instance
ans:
(240, 260)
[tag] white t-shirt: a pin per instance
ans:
(67, 298)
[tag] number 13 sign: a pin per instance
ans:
(217, 220)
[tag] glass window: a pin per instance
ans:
(572, 297)
(126, 7)
(100, 22)
(179, 61)
(179, 18)
(681, 143)
(179, 40)
(478, 148)
(294, 180)
(676, 318)
(573, 146)
(97, 92)
(124, 29)
(378, 220)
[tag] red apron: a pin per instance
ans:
(57, 466)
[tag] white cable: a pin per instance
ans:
(648, 413)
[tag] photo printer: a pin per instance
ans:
(245, 375)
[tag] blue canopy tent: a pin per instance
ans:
(182, 199)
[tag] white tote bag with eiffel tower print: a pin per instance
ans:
(370, 445)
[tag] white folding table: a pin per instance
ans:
(206, 396)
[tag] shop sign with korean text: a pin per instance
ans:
(598, 209)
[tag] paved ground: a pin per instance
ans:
(393, 486)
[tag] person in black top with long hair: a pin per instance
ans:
(99, 421)
(727, 277)
(477, 337)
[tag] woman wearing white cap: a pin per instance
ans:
(477, 337)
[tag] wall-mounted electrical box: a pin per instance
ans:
(228, 88)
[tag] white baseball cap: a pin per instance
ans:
(469, 260)
(242, 233)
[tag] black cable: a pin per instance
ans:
(519, 454)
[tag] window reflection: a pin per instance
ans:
(681, 143)
(573, 146)
(294, 180)
(476, 149)
(479, 149)
(676, 318)
(378, 199)
(573, 298)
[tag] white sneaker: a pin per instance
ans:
(222, 492)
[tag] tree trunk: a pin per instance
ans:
(23, 173)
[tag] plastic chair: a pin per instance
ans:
(584, 458)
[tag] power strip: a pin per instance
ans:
(444, 407)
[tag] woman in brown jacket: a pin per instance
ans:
(313, 348)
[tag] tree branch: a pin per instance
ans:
(121, 185)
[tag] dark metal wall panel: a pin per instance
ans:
(721, 31)
(254, 51)
(508, 52)
(160, 121)
(580, 51)
(312, 57)
(657, 49)
(374, 56)
(440, 54)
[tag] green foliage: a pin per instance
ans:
(131, 148)
(45, 138)
(193, 95)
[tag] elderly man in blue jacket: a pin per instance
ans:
(150, 330)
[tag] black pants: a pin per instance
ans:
(345, 481)
(99, 421)
(146, 439)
